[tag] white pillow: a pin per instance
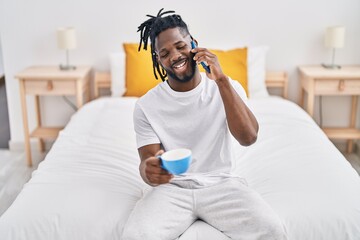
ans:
(117, 70)
(257, 71)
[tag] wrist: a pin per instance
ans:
(222, 80)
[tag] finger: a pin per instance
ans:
(208, 61)
(162, 179)
(203, 55)
(198, 49)
(156, 170)
(203, 51)
(153, 161)
(159, 179)
(153, 180)
(153, 165)
(165, 179)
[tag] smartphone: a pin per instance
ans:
(206, 67)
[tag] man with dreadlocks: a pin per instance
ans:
(200, 112)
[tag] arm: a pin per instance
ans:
(149, 148)
(150, 168)
(242, 123)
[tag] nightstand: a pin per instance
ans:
(277, 80)
(316, 80)
(49, 81)
(102, 80)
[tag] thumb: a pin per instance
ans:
(159, 152)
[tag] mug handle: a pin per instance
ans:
(161, 162)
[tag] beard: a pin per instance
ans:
(186, 77)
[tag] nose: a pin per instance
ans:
(175, 56)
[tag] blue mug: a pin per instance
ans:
(176, 161)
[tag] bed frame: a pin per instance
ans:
(102, 80)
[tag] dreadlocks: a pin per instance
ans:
(152, 27)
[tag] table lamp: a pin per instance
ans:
(334, 38)
(66, 39)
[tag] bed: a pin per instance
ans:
(88, 183)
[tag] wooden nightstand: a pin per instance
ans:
(49, 81)
(101, 80)
(317, 80)
(277, 80)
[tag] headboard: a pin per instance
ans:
(102, 80)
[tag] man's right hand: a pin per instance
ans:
(152, 172)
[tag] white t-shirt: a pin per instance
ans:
(194, 119)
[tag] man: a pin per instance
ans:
(200, 112)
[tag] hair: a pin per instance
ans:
(152, 27)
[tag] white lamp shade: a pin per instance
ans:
(334, 37)
(66, 38)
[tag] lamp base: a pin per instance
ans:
(331, 66)
(66, 67)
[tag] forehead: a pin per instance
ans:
(169, 37)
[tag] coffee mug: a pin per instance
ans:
(176, 161)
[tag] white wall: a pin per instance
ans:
(292, 29)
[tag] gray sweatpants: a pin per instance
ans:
(166, 211)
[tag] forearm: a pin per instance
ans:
(242, 123)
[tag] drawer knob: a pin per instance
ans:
(341, 86)
(50, 86)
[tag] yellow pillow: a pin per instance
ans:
(139, 75)
(234, 64)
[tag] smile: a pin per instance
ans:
(180, 64)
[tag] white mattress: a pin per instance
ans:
(89, 181)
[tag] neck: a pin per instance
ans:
(185, 86)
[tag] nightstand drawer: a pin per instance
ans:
(50, 87)
(337, 87)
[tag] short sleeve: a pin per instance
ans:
(145, 134)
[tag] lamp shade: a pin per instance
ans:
(66, 38)
(334, 37)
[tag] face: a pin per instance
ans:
(173, 54)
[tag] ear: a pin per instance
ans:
(159, 62)
(156, 57)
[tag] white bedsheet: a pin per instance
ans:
(89, 181)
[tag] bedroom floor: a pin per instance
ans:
(14, 173)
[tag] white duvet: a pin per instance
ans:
(89, 182)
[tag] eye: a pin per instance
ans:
(181, 46)
(164, 55)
